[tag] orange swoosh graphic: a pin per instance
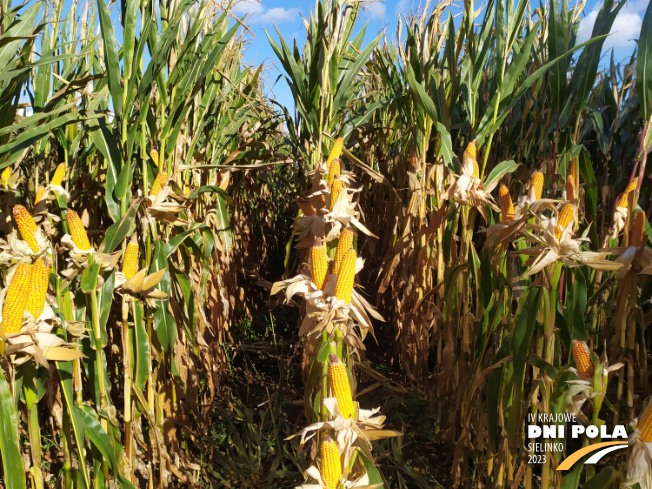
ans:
(570, 461)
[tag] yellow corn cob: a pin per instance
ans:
(506, 206)
(570, 188)
(340, 386)
(57, 178)
(77, 231)
(16, 299)
(336, 191)
(130, 262)
(39, 288)
(333, 170)
(471, 150)
(343, 245)
(536, 182)
(318, 265)
(306, 207)
(331, 464)
(583, 360)
(336, 151)
(644, 424)
(623, 199)
(636, 238)
(40, 192)
(26, 226)
(564, 219)
(159, 183)
(344, 285)
(154, 155)
(6, 175)
(470, 154)
(572, 172)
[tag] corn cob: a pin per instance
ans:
(623, 199)
(130, 262)
(343, 245)
(6, 175)
(57, 178)
(572, 172)
(306, 207)
(564, 219)
(506, 205)
(38, 288)
(536, 182)
(336, 191)
(331, 465)
(470, 154)
(40, 192)
(471, 150)
(336, 151)
(318, 265)
(340, 386)
(159, 183)
(333, 170)
(154, 155)
(16, 299)
(570, 188)
(583, 360)
(77, 231)
(26, 226)
(637, 238)
(644, 424)
(344, 285)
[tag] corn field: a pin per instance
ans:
(445, 238)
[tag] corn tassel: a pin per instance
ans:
(6, 175)
(26, 226)
(336, 151)
(565, 217)
(644, 424)
(506, 205)
(318, 265)
(159, 183)
(336, 192)
(40, 193)
(623, 202)
(39, 288)
(340, 386)
(130, 263)
(637, 237)
(15, 303)
(77, 231)
(536, 183)
(582, 357)
(345, 277)
(57, 178)
(331, 464)
(343, 245)
(333, 171)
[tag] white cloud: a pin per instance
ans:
(258, 14)
(402, 7)
(247, 7)
(375, 10)
(625, 30)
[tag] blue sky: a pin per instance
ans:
(288, 17)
